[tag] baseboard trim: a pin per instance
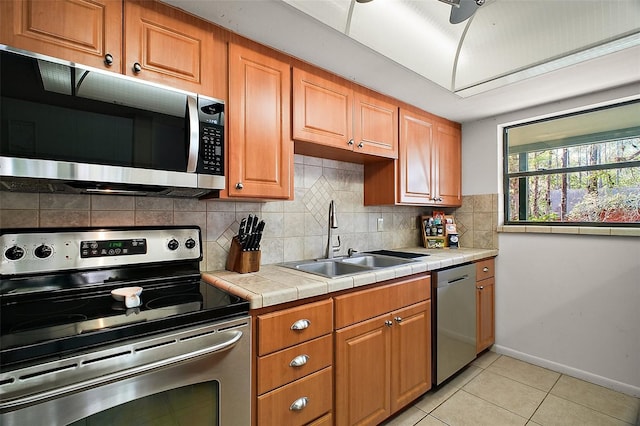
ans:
(573, 372)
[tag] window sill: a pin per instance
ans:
(574, 230)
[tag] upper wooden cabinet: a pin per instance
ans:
(428, 169)
(84, 31)
(258, 122)
(168, 46)
(375, 125)
(416, 159)
(146, 39)
(447, 177)
(330, 112)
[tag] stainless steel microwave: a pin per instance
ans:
(72, 128)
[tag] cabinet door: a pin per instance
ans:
(448, 174)
(82, 31)
(260, 145)
(173, 48)
(411, 354)
(322, 110)
(363, 373)
(485, 311)
(375, 126)
(415, 158)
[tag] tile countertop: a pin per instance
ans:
(274, 284)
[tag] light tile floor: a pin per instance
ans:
(496, 390)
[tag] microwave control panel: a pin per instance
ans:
(211, 159)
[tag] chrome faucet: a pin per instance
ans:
(333, 224)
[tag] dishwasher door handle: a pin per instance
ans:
(453, 281)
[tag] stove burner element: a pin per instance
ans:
(177, 299)
(39, 323)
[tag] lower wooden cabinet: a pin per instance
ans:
(485, 304)
(382, 363)
(293, 376)
(410, 354)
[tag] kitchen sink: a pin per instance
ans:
(374, 261)
(330, 268)
(343, 266)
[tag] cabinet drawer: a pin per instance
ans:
(361, 305)
(326, 420)
(275, 369)
(289, 327)
(275, 407)
(485, 269)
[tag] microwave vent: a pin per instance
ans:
(33, 185)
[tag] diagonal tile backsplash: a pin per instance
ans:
(294, 230)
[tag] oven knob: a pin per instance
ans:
(43, 251)
(14, 253)
(190, 243)
(173, 244)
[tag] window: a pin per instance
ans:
(580, 168)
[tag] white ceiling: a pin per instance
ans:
(479, 68)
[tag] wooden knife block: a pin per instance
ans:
(242, 261)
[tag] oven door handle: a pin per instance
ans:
(236, 335)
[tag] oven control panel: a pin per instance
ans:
(102, 248)
(44, 250)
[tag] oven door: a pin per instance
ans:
(147, 382)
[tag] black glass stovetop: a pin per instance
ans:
(70, 316)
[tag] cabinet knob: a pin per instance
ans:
(239, 185)
(350, 142)
(388, 323)
(301, 324)
(480, 287)
(299, 361)
(299, 404)
(361, 145)
(137, 67)
(398, 319)
(108, 59)
(485, 269)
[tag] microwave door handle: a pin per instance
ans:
(194, 134)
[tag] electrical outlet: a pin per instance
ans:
(380, 224)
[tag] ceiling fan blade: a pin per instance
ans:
(463, 11)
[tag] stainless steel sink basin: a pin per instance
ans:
(374, 261)
(330, 268)
(339, 267)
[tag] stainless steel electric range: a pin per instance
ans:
(115, 326)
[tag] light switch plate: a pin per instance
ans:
(380, 224)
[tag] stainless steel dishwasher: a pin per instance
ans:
(453, 295)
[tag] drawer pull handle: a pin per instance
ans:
(480, 287)
(388, 323)
(485, 269)
(398, 319)
(301, 324)
(299, 361)
(299, 404)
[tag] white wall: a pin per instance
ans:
(567, 302)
